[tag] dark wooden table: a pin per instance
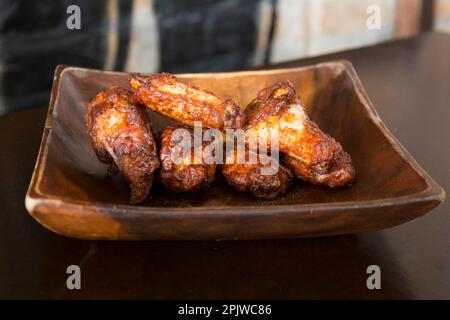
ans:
(409, 83)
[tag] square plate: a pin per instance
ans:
(71, 194)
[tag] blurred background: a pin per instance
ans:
(188, 35)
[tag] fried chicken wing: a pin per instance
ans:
(313, 155)
(121, 137)
(249, 176)
(183, 172)
(164, 94)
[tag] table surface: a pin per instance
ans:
(409, 83)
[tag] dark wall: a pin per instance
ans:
(206, 35)
(195, 36)
(34, 39)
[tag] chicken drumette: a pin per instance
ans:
(186, 167)
(164, 94)
(313, 155)
(263, 180)
(121, 137)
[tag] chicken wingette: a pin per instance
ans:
(310, 153)
(121, 137)
(164, 94)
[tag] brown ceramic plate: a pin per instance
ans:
(70, 193)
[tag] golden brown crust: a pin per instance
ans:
(164, 94)
(334, 174)
(121, 137)
(187, 176)
(248, 177)
(269, 102)
(313, 155)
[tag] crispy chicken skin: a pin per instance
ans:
(164, 94)
(312, 155)
(186, 176)
(248, 177)
(121, 137)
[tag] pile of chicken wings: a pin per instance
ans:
(121, 135)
